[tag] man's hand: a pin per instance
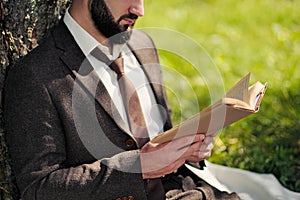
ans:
(204, 151)
(160, 159)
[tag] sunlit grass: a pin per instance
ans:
(257, 36)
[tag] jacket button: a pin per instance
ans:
(129, 143)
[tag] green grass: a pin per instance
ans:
(257, 36)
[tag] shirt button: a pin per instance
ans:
(129, 143)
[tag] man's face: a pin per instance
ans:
(116, 18)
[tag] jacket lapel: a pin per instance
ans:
(88, 78)
(147, 58)
(144, 50)
(84, 74)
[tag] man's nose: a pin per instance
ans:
(137, 7)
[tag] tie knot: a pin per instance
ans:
(116, 65)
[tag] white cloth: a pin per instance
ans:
(248, 185)
(132, 69)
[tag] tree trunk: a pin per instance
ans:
(22, 24)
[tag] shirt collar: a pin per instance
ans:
(85, 41)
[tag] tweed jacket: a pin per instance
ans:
(65, 137)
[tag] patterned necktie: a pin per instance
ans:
(130, 98)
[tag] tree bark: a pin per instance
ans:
(23, 23)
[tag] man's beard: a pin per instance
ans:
(104, 21)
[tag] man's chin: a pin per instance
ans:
(122, 37)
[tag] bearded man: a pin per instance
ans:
(71, 132)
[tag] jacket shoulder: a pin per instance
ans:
(141, 40)
(143, 47)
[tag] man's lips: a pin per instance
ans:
(128, 18)
(129, 21)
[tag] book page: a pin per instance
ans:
(240, 90)
(235, 102)
(254, 92)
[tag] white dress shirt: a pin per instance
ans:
(132, 69)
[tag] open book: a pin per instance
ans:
(239, 102)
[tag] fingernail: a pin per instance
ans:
(202, 137)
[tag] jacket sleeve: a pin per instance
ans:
(37, 146)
